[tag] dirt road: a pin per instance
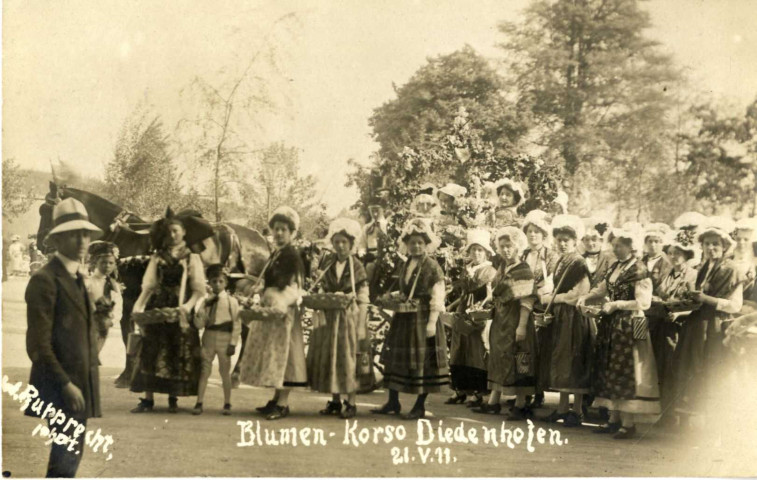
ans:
(162, 444)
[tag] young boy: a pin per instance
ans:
(218, 314)
(103, 288)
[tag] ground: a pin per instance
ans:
(164, 445)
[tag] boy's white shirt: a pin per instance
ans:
(95, 285)
(226, 304)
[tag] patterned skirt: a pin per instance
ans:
(274, 353)
(626, 373)
(332, 351)
(169, 361)
(412, 362)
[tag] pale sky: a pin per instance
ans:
(73, 70)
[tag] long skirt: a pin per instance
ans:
(626, 376)
(169, 361)
(511, 366)
(332, 351)
(572, 351)
(274, 355)
(467, 360)
(412, 362)
(543, 356)
(699, 359)
(663, 334)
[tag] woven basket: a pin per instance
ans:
(447, 319)
(543, 319)
(156, 315)
(485, 314)
(397, 304)
(466, 325)
(682, 306)
(327, 301)
(261, 314)
(591, 311)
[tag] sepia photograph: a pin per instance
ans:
(399, 238)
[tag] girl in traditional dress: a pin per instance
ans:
(570, 367)
(663, 328)
(542, 260)
(507, 195)
(333, 348)
(626, 378)
(468, 352)
(275, 352)
(512, 337)
(415, 349)
(657, 262)
(170, 357)
(719, 288)
(598, 260)
(103, 288)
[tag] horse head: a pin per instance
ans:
(118, 225)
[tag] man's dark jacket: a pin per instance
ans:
(61, 339)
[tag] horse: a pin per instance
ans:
(242, 250)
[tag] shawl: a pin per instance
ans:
(722, 281)
(430, 274)
(624, 286)
(550, 256)
(285, 267)
(573, 267)
(514, 283)
(331, 284)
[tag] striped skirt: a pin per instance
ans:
(413, 363)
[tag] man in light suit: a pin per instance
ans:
(61, 338)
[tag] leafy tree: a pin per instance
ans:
(598, 92)
(17, 198)
(425, 107)
(217, 138)
(278, 182)
(142, 177)
(721, 159)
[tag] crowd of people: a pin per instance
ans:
(631, 320)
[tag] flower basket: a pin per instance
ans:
(396, 302)
(591, 311)
(543, 319)
(156, 315)
(327, 301)
(447, 319)
(465, 324)
(257, 313)
(682, 306)
(483, 314)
